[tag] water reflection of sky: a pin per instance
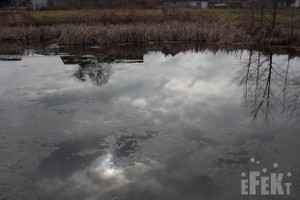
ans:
(170, 127)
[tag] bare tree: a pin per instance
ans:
(292, 20)
(261, 12)
(274, 13)
(97, 73)
(270, 87)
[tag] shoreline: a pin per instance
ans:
(105, 51)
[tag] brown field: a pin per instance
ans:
(50, 17)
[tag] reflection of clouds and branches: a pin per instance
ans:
(98, 73)
(271, 84)
(170, 127)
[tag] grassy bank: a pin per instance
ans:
(138, 26)
(116, 16)
(201, 31)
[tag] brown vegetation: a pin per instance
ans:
(137, 26)
(139, 33)
(202, 31)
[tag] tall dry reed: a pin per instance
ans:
(218, 31)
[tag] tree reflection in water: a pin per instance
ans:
(98, 73)
(270, 86)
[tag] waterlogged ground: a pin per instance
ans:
(147, 125)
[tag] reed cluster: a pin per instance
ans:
(218, 31)
(140, 33)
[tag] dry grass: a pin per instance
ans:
(129, 33)
(218, 31)
(30, 33)
(140, 26)
(125, 16)
(140, 33)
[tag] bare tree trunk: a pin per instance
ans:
(292, 20)
(261, 12)
(257, 78)
(285, 81)
(266, 95)
(248, 73)
(274, 14)
(252, 14)
(269, 89)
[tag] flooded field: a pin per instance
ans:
(167, 123)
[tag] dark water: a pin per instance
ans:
(170, 122)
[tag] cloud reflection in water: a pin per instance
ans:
(189, 103)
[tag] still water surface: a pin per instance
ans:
(155, 126)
